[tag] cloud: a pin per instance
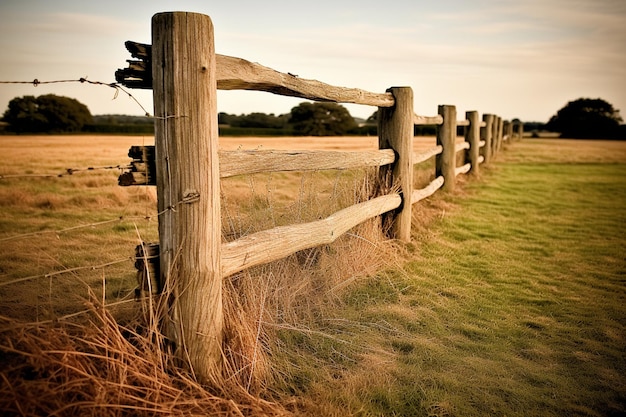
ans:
(80, 23)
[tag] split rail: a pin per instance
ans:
(184, 72)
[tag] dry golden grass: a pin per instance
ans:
(99, 368)
(42, 234)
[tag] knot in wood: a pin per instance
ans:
(191, 196)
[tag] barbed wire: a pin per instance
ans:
(67, 172)
(74, 228)
(23, 325)
(67, 271)
(83, 80)
(71, 171)
(186, 200)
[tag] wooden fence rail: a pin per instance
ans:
(184, 72)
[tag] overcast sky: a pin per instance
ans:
(519, 59)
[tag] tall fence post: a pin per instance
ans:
(395, 131)
(500, 133)
(186, 140)
(494, 135)
(486, 133)
(472, 136)
(445, 163)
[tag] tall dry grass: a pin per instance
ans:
(99, 368)
(114, 361)
(293, 293)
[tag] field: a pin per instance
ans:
(54, 221)
(509, 301)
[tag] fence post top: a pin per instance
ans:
(173, 14)
(179, 12)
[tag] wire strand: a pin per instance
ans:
(67, 271)
(68, 229)
(83, 80)
(67, 172)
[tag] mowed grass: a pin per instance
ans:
(512, 300)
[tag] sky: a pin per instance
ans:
(518, 59)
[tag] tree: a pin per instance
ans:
(47, 113)
(321, 119)
(586, 118)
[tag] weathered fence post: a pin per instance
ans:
(186, 140)
(395, 131)
(494, 135)
(472, 136)
(500, 133)
(445, 163)
(486, 133)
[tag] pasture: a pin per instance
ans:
(509, 301)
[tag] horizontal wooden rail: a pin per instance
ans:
(481, 143)
(482, 124)
(481, 159)
(464, 169)
(251, 162)
(427, 191)
(419, 157)
(279, 242)
(240, 74)
(463, 123)
(427, 120)
(461, 146)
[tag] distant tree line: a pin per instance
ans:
(46, 114)
(582, 118)
(588, 118)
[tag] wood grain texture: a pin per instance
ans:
(472, 137)
(238, 74)
(251, 162)
(445, 162)
(427, 120)
(486, 133)
(395, 131)
(500, 132)
(279, 242)
(186, 141)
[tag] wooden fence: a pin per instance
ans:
(184, 73)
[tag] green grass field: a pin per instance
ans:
(512, 302)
